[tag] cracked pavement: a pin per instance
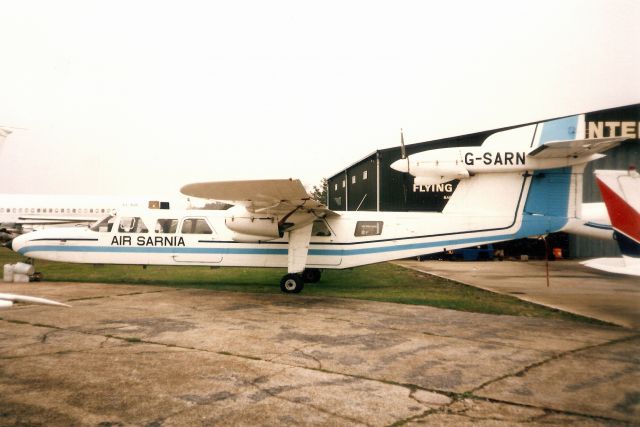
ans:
(155, 356)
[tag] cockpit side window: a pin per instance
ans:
(166, 225)
(320, 228)
(104, 225)
(132, 225)
(196, 226)
(368, 228)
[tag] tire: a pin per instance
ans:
(291, 283)
(311, 275)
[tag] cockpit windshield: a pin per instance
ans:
(104, 225)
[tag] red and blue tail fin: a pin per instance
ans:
(621, 194)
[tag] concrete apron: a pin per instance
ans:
(573, 287)
(162, 356)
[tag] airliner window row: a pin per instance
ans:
(56, 210)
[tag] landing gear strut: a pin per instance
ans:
(291, 283)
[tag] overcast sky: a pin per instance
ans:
(141, 97)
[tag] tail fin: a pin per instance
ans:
(544, 200)
(621, 194)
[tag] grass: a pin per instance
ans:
(379, 282)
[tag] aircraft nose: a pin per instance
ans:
(401, 165)
(16, 243)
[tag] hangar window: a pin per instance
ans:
(364, 175)
(368, 228)
(132, 225)
(196, 226)
(165, 226)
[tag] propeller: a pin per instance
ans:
(403, 156)
(403, 150)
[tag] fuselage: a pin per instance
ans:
(198, 237)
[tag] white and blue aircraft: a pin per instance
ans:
(275, 223)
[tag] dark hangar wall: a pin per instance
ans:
(396, 191)
(621, 157)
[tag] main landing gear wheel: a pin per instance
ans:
(311, 275)
(291, 283)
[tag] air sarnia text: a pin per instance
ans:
(147, 241)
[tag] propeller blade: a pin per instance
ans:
(403, 151)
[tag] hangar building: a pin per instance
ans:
(371, 185)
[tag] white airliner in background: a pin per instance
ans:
(275, 223)
(21, 213)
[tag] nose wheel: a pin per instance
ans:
(291, 283)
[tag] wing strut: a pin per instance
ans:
(299, 239)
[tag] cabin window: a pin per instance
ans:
(196, 226)
(344, 183)
(320, 228)
(164, 226)
(364, 175)
(131, 224)
(368, 228)
(353, 179)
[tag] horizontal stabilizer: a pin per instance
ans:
(614, 265)
(575, 148)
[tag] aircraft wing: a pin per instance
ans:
(575, 148)
(275, 196)
(7, 300)
(44, 220)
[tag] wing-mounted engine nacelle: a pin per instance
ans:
(253, 228)
(437, 177)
